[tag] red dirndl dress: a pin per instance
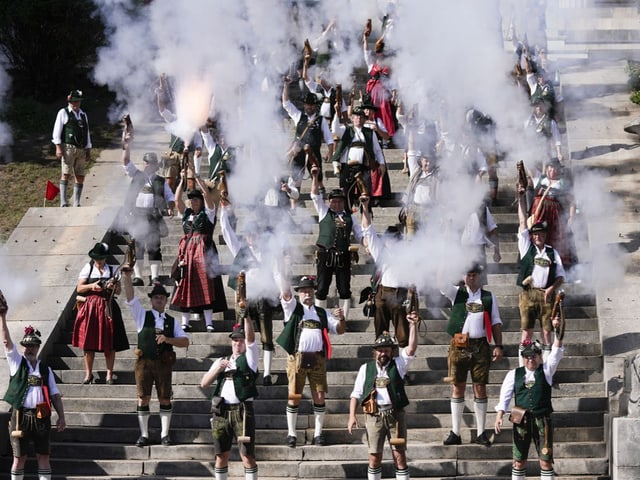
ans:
(201, 285)
(381, 97)
(94, 330)
(553, 210)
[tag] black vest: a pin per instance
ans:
(536, 398)
(526, 265)
(147, 336)
(74, 131)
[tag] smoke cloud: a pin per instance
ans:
(228, 59)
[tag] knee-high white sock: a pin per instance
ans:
(154, 266)
(221, 473)
(251, 473)
(143, 420)
(518, 473)
(44, 474)
(17, 474)
(208, 317)
(137, 268)
(374, 473)
(318, 411)
(267, 357)
(346, 305)
(480, 410)
(546, 474)
(402, 474)
(165, 419)
(63, 193)
(292, 419)
(546, 351)
(321, 303)
(185, 318)
(457, 407)
(77, 194)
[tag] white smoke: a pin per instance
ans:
(231, 56)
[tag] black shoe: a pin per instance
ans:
(320, 440)
(453, 439)
(166, 441)
(291, 441)
(142, 442)
(88, 380)
(155, 280)
(186, 327)
(266, 381)
(483, 440)
(137, 282)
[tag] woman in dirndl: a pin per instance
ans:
(98, 326)
(200, 288)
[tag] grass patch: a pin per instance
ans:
(33, 155)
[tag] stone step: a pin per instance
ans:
(192, 404)
(430, 371)
(324, 467)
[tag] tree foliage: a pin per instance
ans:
(50, 45)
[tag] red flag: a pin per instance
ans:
(52, 191)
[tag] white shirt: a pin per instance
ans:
(475, 233)
(382, 393)
(392, 272)
(310, 338)
(540, 274)
(139, 313)
(259, 278)
(549, 367)
(145, 199)
(474, 323)
(35, 395)
(295, 115)
(357, 153)
(228, 391)
(61, 119)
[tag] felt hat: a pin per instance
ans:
(358, 111)
(310, 98)
(100, 251)
(306, 282)
(554, 162)
(367, 103)
(539, 227)
(75, 96)
(336, 193)
(530, 349)
(31, 337)
(476, 268)
(384, 340)
(158, 289)
(195, 193)
(237, 332)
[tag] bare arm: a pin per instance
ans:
(128, 286)
(56, 401)
(353, 421)
(6, 336)
(412, 344)
(178, 195)
(249, 333)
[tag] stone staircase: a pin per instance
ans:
(99, 442)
